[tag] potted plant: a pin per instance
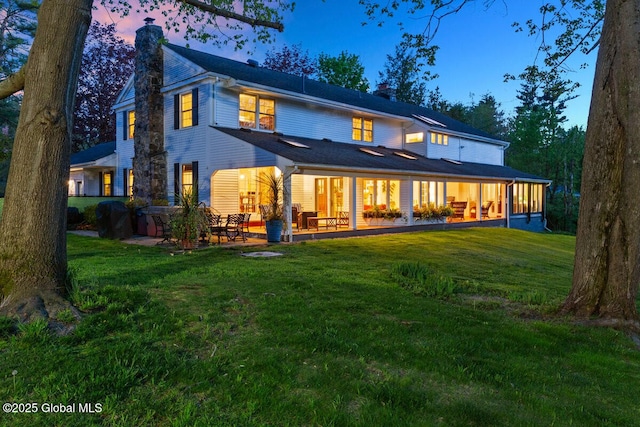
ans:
(188, 220)
(274, 216)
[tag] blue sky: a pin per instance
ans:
(477, 47)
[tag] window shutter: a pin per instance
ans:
(125, 126)
(176, 111)
(100, 181)
(194, 98)
(176, 179)
(125, 182)
(194, 172)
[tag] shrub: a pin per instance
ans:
(431, 211)
(378, 212)
(90, 215)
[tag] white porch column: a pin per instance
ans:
(353, 199)
(286, 203)
(410, 204)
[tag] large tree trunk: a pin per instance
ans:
(33, 252)
(607, 263)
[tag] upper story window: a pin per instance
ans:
(439, 138)
(131, 123)
(414, 137)
(185, 109)
(362, 129)
(128, 124)
(252, 107)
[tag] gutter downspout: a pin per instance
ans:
(507, 203)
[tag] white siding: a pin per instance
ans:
(479, 152)
(177, 69)
(224, 193)
(226, 107)
(305, 120)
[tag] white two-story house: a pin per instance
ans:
(226, 122)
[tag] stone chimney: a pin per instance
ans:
(385, 91)
(150, 159)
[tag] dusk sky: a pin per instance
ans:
(477, 47)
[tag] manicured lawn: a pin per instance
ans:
(80, 202)
(442, 328)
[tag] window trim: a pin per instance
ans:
(257, 112)
(104, 185)
(438, 138)
(178, 112)
(359, 129)
(131, 124)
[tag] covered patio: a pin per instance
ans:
(338, 188)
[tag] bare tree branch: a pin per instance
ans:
(232, 15)
(12, 84)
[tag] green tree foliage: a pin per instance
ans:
(107, 64)
(34, 270)
(17, 27)
(344, 70)
(488, 116)
(217, 22)
(291, 60)
(485, 114)
(403, 72)
(540, 145)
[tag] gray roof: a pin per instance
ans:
(94, 153)
(296, 84)
(324, 153)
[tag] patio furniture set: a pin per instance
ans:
(232, 227)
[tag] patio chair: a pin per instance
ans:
(234, 227)
(484, 209)
(458, 210)
(343, 219)
(245, 225)
(215, 226)
(163, 228)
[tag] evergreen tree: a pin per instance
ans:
(486, 115)
(17, 28)
(403, 72)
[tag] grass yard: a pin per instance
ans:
(439, 328)
(80, 202)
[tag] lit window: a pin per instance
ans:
(527, 198)
(362, 129)
(130, 183)
(411, 138)
(267, 114)
(252, 106)
(439, 138)
(107, 182)
(187, 179)
(380, 194)
(247, 111)
(186, 110)
(131, 124)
